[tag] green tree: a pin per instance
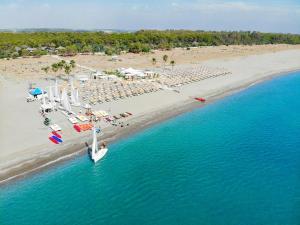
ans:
(68, 69)
(172, 64)
(71, 50)
(54, 68)
(165, 59)
(46, 69)
(38, 53)
(109, 51)
(87, 49)
(24, 52)
(154, 61)
(14, 55)
(73, 63)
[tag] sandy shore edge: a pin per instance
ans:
(112, 135)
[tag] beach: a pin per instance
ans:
(23, 137)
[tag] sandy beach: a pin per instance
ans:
(24, 144)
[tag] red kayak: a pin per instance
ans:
(56, 134)
(200, 99)
(77, 128)
(53, 140)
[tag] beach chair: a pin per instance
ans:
(73, 120)
(55, 127)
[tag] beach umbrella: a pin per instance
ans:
(36, 91)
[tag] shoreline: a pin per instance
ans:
(137, 124)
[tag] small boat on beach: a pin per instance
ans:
(95, 153)
(200, 99)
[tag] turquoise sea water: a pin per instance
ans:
(236, 161)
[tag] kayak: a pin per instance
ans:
(56, 134)
(53, 140)
(57, 139)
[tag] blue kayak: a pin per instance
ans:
(57, 139)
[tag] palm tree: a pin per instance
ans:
(153, 61)
(165, 58)
(54, 67)
(46, 69)
(172, 64)
(68, 69)
(72, 63)
(61, 64)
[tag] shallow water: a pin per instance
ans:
(236, 161)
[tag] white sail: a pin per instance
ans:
(71, 83)
(56, 92)
(43, 98)
(74, 94)
(65, 101)
(45, 104)
(95, 147)
(96, 153)
(51, 96)
(77, 95)
(73, 100)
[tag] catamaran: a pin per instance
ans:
(95, 153)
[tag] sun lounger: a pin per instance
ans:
(73, 120)
(82, 118)
(55, 127)
(85, 127)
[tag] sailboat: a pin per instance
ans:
(65, 102)
(56, 92)
(75, 97)
(95, 153)
(74, 94)
(51, 97)
(46, 106)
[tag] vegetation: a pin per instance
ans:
(71, 43)
(165, 59)
(154, 61)
(172, 64)
(62, 65)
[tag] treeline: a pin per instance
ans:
(70, 43)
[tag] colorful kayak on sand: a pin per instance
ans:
(200, 99)
(77, 128)
(56, 134)
(53, 140)
(57, 139)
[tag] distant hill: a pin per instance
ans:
(34, 30)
